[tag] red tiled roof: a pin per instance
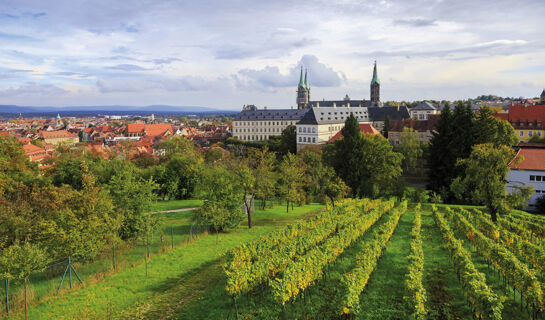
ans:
(151, 130)
(364, 127)
(57, 134)
(4, 133)
(521, 116)
(533, 159)
(417, 125)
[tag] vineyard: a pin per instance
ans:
(380, 259)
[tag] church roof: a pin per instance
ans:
(272, 114)
(301, 81)
(375, 75)
(543, 93)
(306, 81)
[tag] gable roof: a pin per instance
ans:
(417, 125)
(534, 159)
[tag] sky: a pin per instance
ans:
(227, 53)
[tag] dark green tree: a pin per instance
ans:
(441, 158)
(288, 140)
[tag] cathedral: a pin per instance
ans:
(303, 95)
(316, 122)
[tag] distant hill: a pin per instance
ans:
(113, 109)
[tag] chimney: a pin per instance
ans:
(348, 105)
(317, 104)
(334, 105)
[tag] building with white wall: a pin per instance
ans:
(529, 172)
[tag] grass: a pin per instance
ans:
(175, 204)
(128, 293)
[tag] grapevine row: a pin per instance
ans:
(520, 246)
(250, 265)
(308, 268)
(521, 277)
(521, 231)
(537, 228)
(416, 292)
(485, 303)
(355, 281)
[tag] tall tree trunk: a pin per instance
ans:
(332, 201)
(287, 205)
(248, 211)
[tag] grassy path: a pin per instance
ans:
(382, 298)
(119, 295)
(445, 298)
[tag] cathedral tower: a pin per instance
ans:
(303, 91)
(375, 88)
(542, 98)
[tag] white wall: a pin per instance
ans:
(522, 177)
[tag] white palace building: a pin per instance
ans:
(316, 121)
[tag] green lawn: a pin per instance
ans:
(175, 204)
(128, 292)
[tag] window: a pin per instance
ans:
(530, 133)
(300, 139)
(538, 133)
(304, 130)
(538, 178)
(300, 129)
(521, 133)
(313, 140)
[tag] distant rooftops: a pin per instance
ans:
(424, 106)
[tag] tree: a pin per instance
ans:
(441, 158)
(288, 140)
(263, 164)
(291, 173)
(485, 176)
(176, 145)
(410, 148)
(494, 130)
(540, 205)
(380, 167)
(247, 182)
(366, 163)
(223, 208)
(332, 186)
(21, 260)
(132, 197)
(181, 175)
(346, 154)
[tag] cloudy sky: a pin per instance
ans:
(226, 53)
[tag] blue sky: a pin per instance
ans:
(228, 53)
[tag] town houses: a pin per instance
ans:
(109, 136)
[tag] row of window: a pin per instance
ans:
(537, 178)
(309, 140)
(254, 138)
(262, 130)
(347, 113)
(530, 133)
(540, 191)
(530, 124)
(304, 130)
(263, 123)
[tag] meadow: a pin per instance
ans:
(363, 259)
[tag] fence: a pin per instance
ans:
(57, 276)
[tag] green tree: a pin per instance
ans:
(410, 148)
(181, 175)
(291, 172)
(132, 197)
(223, 208)
(491, 129)
(441, 158)
(386, 128)
(288, 140)
(485, 176)
(176, 145)
(22, 260)
(263, 164)
(332, 186)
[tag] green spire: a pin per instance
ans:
(306, 80)
(301, 83)
(375, 76)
